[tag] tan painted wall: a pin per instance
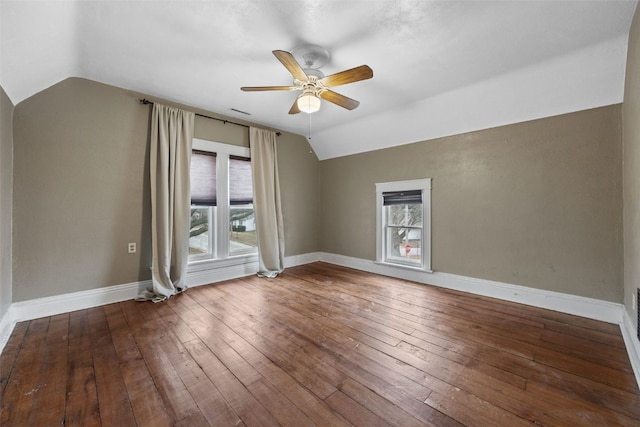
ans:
(6, 177)
(631, 168)
(536, 204)
(82, 189)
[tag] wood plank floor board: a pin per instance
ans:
(280, 346)
(406, 380)
(581, 347)
(207, 397)
(210, 402)
(196, 420)
(472, 376)
(145, 398)
(472, 364)
(603, 332)
(463, 312)
(360, 314)
(520, 380)
(377, 404)
(190, 374)
(295, 391)
(48, 401)
(551, 319)
(278, 405)
(400, 389)
(17, 398)
(320, 345)
(578, 387)
(354, 411)
(113, 399)
(10, 353)
(288, 368)
(621, 379)
(460, 358)
(245, 405)
(470, 410)
(575, 411)
(216, 336)
(81, 407)
(337, 340)
(451, 325)
(153, 341)
(527, 404)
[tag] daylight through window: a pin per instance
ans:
(222, 216)
(403, 235)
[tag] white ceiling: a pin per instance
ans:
(440, 67)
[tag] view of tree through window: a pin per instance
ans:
(404, 232)
(403, 222)
(199, 231)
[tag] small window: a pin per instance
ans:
(222, 216)
(404, 218)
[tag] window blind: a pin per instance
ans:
(240, 182)
(203, 178)
(401, 197)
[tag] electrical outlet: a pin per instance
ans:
(132, 248)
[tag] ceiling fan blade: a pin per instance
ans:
(263, 88)
(294, 108)
(291, 64)
(356, 74)
(341, 100)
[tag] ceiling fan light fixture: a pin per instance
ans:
(308, 102)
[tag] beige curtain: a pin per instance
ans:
(171, 138)
(266, 201)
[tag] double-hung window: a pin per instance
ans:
(404, 223)
(222, 216)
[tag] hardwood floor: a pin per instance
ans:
(320, 345)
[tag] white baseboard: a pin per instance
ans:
(294, 260)
(50, 306)
(6, 327)
(631, 342)
(207, 276)
(586, 307)
(580, 306)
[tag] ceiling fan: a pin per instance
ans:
(312, 82)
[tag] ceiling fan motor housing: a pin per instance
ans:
(311, 56)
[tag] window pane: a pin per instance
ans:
(240, 185)
(404, 223)
(201, 232)
(407, 214)
(404, 245)
(203, 178)
(242, 230)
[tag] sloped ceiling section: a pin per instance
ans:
(440, 67)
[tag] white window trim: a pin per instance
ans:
(215, 147)
(414, 184)
(221, 248)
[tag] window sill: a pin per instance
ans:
(404, 266)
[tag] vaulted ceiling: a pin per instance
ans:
(440, 67)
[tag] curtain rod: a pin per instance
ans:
(147, 102)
